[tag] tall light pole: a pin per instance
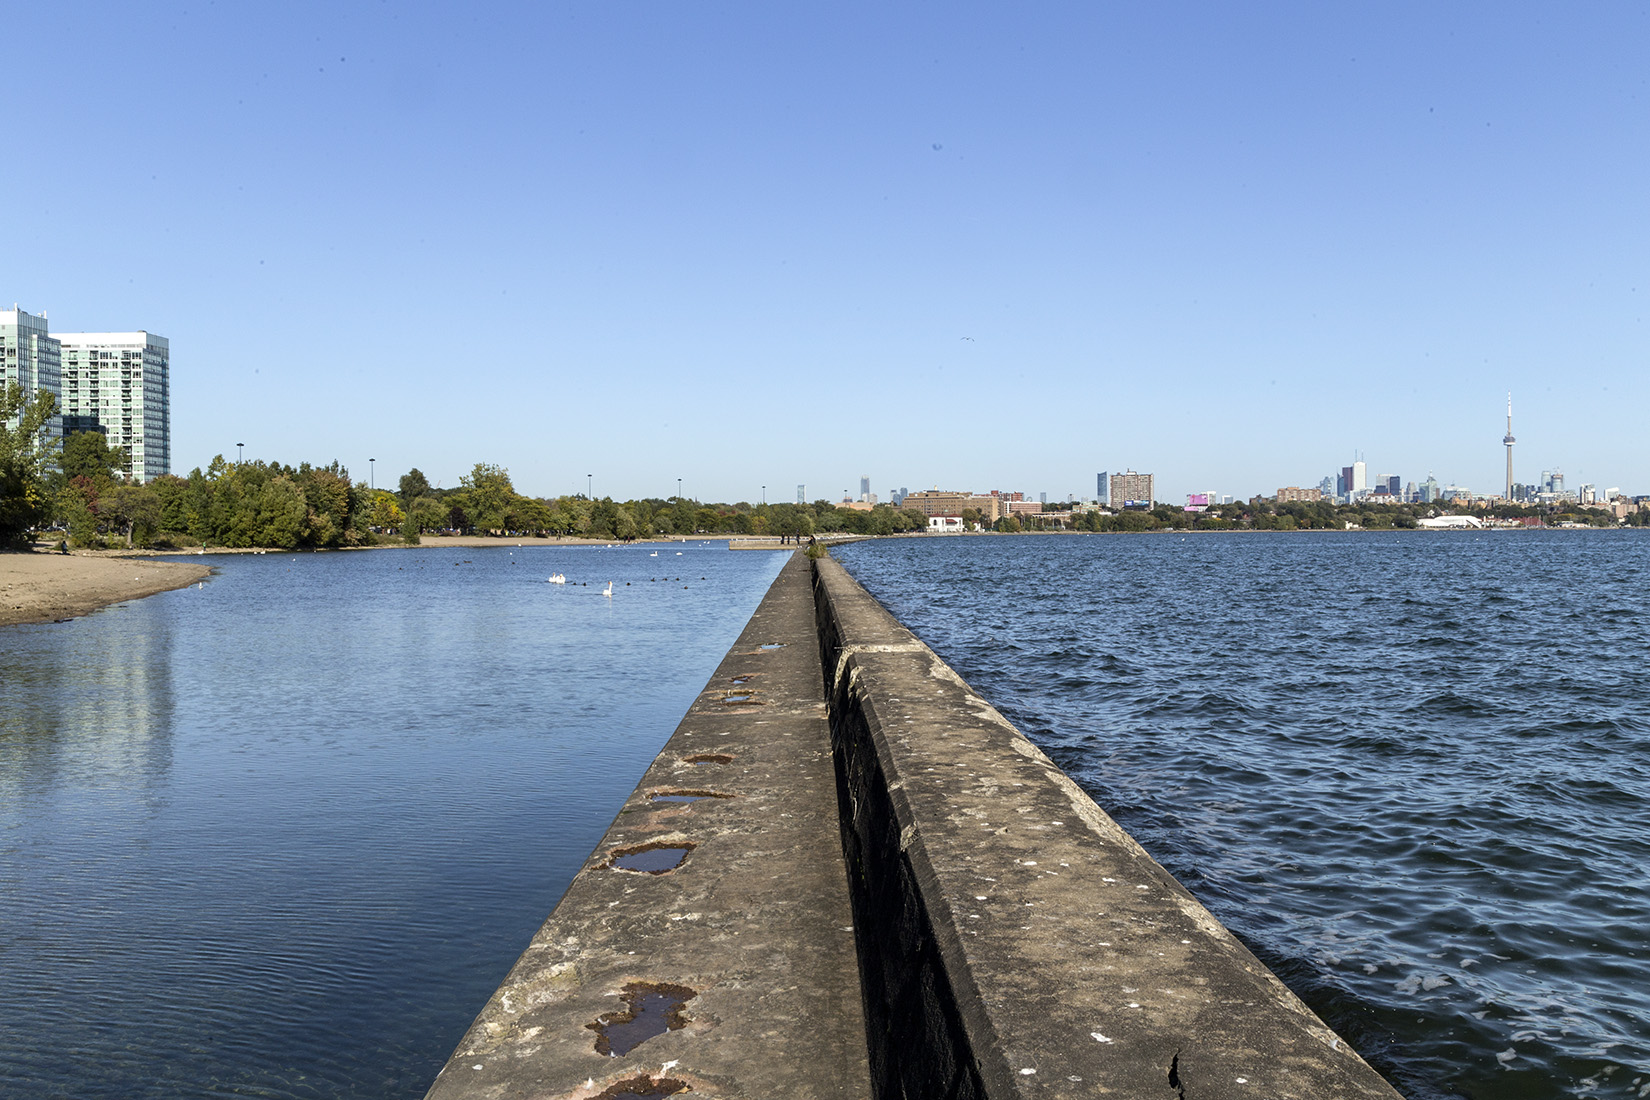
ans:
(372, 471)
(678, 490)
(240, 452)
(764, 494)
(590, 487)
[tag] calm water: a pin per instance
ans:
(283, 835)
(1411, 771)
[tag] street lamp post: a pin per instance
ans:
(764, 494)
(240, 452)
(372, 470)
(590, 487)
(678, 490)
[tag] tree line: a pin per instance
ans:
(73, 492)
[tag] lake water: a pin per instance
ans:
(282, 835)
(1411, 771)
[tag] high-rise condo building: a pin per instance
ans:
(1100, 488)
(1130, 488)
(30, 357)
(119, 383)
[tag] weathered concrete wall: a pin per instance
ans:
(1013, 940)
(900, 898)
(754, 924)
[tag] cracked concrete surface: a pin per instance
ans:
(755, 922)
(1017, 942)
(1013, 940)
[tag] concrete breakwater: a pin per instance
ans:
(847, 875)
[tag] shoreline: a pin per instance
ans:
(37, 587)
(43, 586)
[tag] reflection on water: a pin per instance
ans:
(282, 835)
(108, 708)
(1412, 771)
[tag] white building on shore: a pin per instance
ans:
(29, 356)
(119, 383)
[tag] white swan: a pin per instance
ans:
(557, 578)
(608, 591)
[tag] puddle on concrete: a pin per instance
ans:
(772, 645)
(746, 699)
(642, 1088)
(708, 758)
(742, 679)
(685, 796)
(651, 1008)
(652, 859)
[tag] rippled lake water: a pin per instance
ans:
(1411, 771)
(282, 835)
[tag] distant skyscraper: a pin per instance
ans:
(1508, 441)
(1100, 493)
(1131, 488)
(802, 494)
(865, 488)
(1395, 485)
(30, 356)
(119, 383)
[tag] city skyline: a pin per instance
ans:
(1224, 241)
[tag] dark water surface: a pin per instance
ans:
(283, 835)
(1411, 771)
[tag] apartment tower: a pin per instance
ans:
(30, 357)
(119, 383)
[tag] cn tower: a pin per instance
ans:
(1509, 442)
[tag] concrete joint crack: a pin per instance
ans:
(1175, 1082)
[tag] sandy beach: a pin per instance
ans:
(43, 588)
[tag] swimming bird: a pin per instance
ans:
(608, 591)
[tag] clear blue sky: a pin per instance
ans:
(967, 245)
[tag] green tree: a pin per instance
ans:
(488, 496)
(282, 514)
(133, 510)
(77, 508)
(386, 513)
(427, 514)
(88, 454)
(413, 485)
(26, 453)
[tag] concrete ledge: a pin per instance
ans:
(752, 932)
(1014, 941)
